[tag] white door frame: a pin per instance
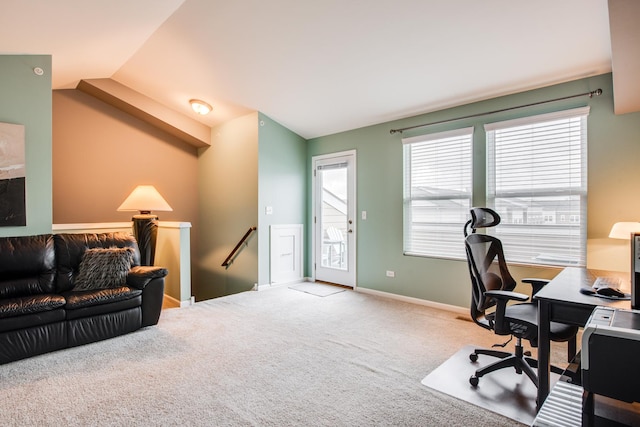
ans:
(349, 276)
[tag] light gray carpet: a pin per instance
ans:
(270, 358)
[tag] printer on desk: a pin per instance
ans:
(610, 355)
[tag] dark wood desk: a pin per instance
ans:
(561, 301)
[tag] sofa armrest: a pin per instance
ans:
(152, 298)
(140, 276)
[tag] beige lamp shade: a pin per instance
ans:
(623, 230)
(145, 198)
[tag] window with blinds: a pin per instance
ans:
(437, 193)
(537, 182)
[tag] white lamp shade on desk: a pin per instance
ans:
(623, 230)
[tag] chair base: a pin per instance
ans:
(519, 360)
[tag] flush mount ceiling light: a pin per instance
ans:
(200, 107)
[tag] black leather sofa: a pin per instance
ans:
(64, 290)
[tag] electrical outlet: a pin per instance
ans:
(391, 273)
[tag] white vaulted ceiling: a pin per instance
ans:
(316, 67)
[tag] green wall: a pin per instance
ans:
(26, 100)
(613, 154)
(281, 185)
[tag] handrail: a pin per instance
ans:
(227, 262)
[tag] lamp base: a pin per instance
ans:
(145, 231)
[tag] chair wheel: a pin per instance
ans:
(473, 357)
(474, 381)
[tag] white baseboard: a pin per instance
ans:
(176, 303)
(452, 308)
(189, 302)
(448, 307)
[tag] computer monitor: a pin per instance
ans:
(635, 271)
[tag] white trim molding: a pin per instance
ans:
(452, 308)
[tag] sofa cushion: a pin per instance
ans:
(70, 247)
(27, 342)
(100, 327)
(102, 268)
(32, 320)
(27, 265)
(98, 310)
(12, 307)
(82, 299)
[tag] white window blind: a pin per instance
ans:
(437, 193)
(537, 182)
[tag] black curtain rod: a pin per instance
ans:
(591, 94)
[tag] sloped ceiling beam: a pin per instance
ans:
(625, 54)
(148, 110)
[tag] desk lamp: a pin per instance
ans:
(628, 231)
(145, 198)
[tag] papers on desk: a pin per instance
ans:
(606, 287)
(606, 282)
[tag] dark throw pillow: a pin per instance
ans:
(103, 268)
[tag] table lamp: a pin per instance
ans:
(145, 198)
(629, 231)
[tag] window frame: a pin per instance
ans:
(537, 234)
(446, 244)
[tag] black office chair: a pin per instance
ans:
(493, 287)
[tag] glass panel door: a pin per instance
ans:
(334, 219)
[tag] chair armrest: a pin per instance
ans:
(536, 284)
(502, 297)
(140, 276)
(507, 295)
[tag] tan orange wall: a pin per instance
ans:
(100, 154)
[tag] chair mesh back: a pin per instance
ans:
(487, 265)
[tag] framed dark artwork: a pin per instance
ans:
(12, 176)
